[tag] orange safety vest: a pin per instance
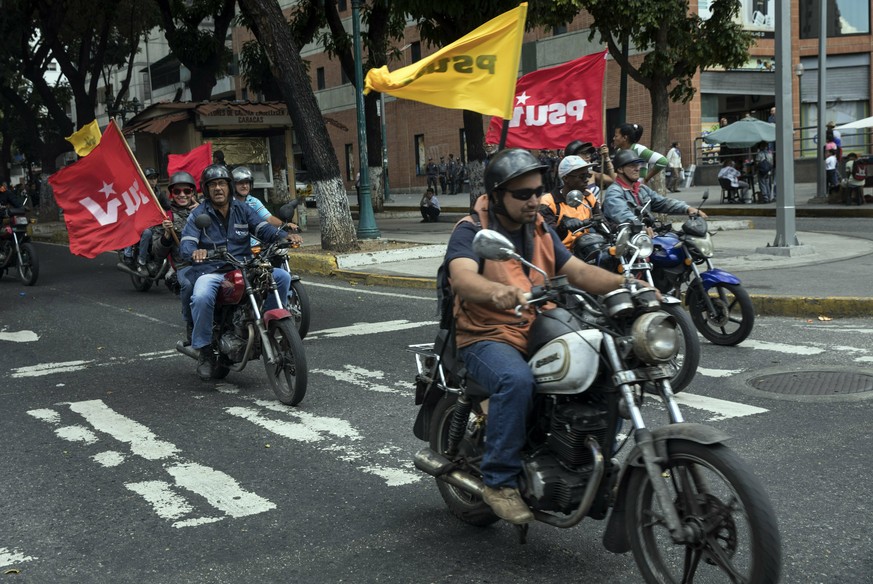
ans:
(582, 212)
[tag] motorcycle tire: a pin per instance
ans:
(28, 269)
(465, 506)
(688, 359)
(713, 490)
(289, 375)
(735, 313)
(140, 284)
(298, 306)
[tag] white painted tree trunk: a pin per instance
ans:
(334, 215)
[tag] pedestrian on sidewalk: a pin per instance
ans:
(429, 206)
(443, 174)
(452, 174)
(831, 170)
(674, 163)
(733, 175)
(763, 167)
(432, 171)
(854, 187)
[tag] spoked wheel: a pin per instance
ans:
(465, 506)
(734, 537)
(688, 358)
(28, 269)
(298, 305)
(733, 316)
(288, 375)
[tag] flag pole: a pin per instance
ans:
(605, 132)
(143, 177)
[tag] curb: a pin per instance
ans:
(812, 307)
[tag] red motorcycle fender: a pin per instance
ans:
(275, 314)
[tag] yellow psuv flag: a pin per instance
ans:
(476, 73)
(85, 139)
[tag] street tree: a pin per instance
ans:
(676, 43)
(271, 29)
(196, 31)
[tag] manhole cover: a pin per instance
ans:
(819, 383)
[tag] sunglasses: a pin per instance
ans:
(183, 191)
(525, 194)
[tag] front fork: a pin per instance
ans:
(17, 248)
(266, 342)
(643, 438)
(697, 283)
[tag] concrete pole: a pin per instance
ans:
(821, 176)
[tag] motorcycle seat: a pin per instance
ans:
(444, 346)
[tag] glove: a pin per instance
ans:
(572, 224)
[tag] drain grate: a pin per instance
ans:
(819, 383)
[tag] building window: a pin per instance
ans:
(350, 161)
(319, 78)
(845, 17)
(420, 155)
(560, 29)
(415, 51)
(344, 79)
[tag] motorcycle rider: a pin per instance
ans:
(242, 180)
(145, 238)
(232, 224)
(491, 337)
(564, 217)
(183, 199)
(628, 192)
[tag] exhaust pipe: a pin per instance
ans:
(187, 350)
(437, 465)
(123, 267)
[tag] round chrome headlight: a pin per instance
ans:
(655, 337)
(703, 244)
(643, 243)
(282, 251)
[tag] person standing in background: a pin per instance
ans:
(674, 162)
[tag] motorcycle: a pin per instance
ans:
(16, 249)
(626, 250)
(681, 501)
(154, 272)
(297, 302)
(243, 332)
(719, 306)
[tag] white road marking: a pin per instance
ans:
(77, 434)
(863, 359)
(220, 489)
(367, 328)
(142, 441)
(722, 409)
(19, 336)
(365, 291)
(718, 372)
(360, 377)
(109, 458)
(166, 503)
(46, 415)
(781, 347)
(13, 556)
(50, 368)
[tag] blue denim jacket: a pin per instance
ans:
(617, 197)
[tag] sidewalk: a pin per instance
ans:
(804, 285)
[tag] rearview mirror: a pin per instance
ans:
(286, 211)
(493, 246)
(203, 221)
(574, 198)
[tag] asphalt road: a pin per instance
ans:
(121, 466)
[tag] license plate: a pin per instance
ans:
(21, 220)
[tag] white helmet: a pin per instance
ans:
(571, 163)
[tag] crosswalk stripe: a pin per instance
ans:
(9, 557)
(722, 409)
(367, 328)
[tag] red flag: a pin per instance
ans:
(194, 162)
(106, 201)
(556, 106)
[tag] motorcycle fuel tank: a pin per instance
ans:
(567, 364)
(667, 251)
(232, 288)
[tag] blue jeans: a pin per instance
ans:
(186, 289)
(505, 371)
(203, 303)
(764, 183)
(145, 244)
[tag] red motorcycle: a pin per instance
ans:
(16, 250)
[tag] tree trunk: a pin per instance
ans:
(374, 149)
(660, 123)
(272, 31)
(201, 84)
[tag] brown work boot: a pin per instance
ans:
(507, 504)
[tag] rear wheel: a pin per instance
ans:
(28, 269)
(140, 284)
(298, 305)
(688, 358)
(465, 506)
(733, 536)
(732, 318)
(287, 376)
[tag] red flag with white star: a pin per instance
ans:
(106, 200)
(555, 106)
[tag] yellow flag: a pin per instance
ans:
(85, 139)
(477, 72)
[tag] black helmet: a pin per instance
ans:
(215, 172)
(625, 157)
(150, 172)
(242, 174)
(182, 178)
(573, 148)
(509, 164)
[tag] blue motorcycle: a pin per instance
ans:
(720, 307)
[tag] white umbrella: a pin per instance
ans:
(857, 124)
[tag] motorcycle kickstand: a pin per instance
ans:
(521, 532)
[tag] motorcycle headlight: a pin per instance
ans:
(655, 337)
(703, 244)
(282, 251)
(644, 244)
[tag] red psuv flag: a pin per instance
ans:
(106, 201)
(193, 163)
(555, 106)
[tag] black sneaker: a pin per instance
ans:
(205, 363)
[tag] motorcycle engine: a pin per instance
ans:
(556, 477)
(232, 343)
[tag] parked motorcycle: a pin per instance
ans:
(243, 331)
(684, 503)
(16, 249)
(720, 307)
(626, 250)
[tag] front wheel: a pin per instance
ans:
(287, 376)
(733, 314)
(688, 358)
(731, 531)
(28, 269)
(298, 305)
